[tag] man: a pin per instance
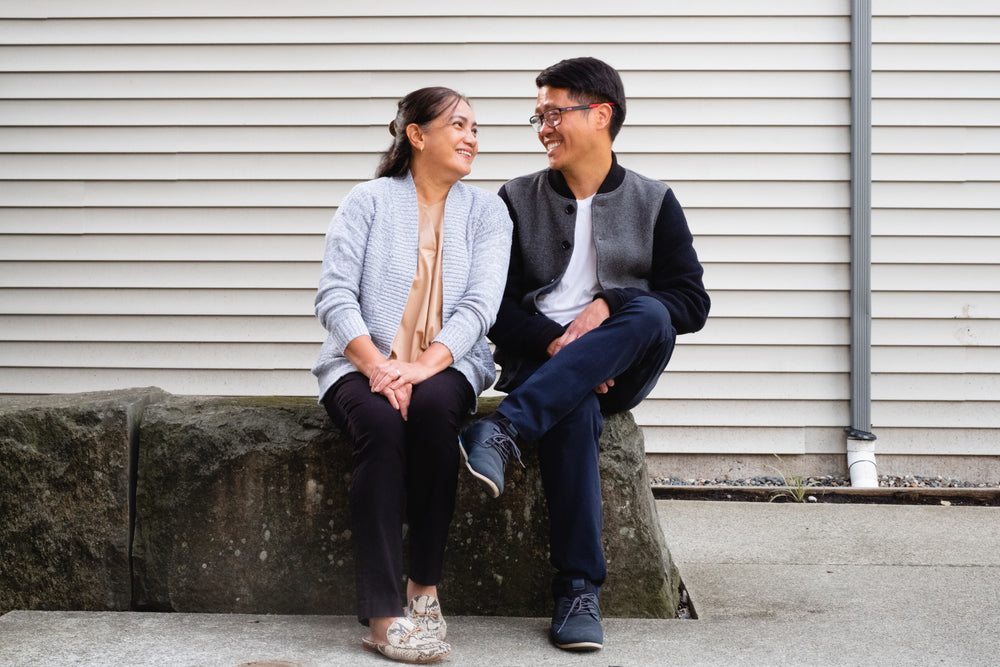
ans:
(603, 276)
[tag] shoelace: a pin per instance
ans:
(505, 446)
(585, 603)
(407, 636)
(429, 608)
(426, 614)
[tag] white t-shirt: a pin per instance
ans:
(578, 285)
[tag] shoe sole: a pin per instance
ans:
(580, 646)
(483, 478)
(369, 645)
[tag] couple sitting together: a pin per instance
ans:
(582, 275)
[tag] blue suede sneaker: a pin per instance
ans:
(576, 622)
(486, 445)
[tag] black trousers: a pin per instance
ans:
(402, 471)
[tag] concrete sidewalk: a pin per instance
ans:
(772, 583)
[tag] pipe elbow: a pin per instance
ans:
(864, 473)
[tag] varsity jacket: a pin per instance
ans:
(643, 244)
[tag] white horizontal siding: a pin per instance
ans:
(162, 275)
(141, 194)
(156, 329)
(936, 244)
(740, 358)
(527, 8)
(936, 277)
(284, 248)
(300, 220)
(764, 386)
(941, 359)
(277, 58)
(335, 140)
(927, 332)
(365, 30)
(929, 222)
(938, 85)
(932, 413)
(386, 84)
(188, 220)
(170, 168)
(205, 381)
(792, 413)
(938, 305)
(246, 167)
(65, 355)
(158, 247)
(790, 277)
(348, 112)
(140, 301)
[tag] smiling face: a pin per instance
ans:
(449, 144)
(577, 135)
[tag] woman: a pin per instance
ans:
(413, 274)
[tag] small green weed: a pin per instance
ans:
(796, 486)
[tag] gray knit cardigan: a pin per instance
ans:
(371, 260)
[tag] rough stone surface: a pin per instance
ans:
(64, 500)
(241, 507)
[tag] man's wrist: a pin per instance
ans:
(611, 297)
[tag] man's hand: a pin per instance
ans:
(591, 318)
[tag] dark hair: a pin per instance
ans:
(420, 107)
(589, 80)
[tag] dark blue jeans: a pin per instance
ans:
(554, 404)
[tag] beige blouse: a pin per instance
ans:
(422, 317)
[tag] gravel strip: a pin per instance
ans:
(884, 481)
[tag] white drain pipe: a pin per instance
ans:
(861, 464)
(860, 440)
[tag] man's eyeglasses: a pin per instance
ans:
(552, 117)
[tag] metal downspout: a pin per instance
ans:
(860, 439)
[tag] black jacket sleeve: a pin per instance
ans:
(676, 275)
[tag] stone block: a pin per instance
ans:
(64, 499)
(242, 507)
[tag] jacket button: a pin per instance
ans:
(570, 208)
(565, 245)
